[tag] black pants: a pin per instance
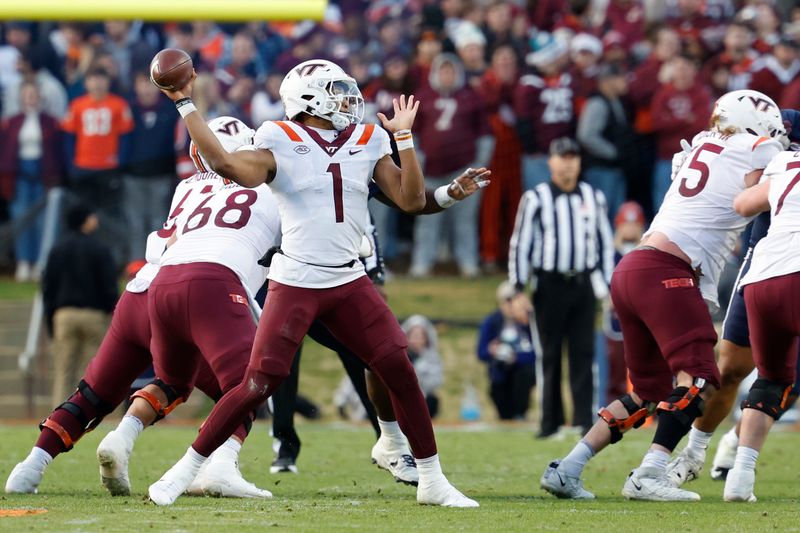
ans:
(283, 401)
(565, 310)
(512, 395)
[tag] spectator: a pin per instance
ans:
(569, 269)
(51, 93)
(629, 228)
(150, 177)
(699, 31)
(423, 350)
(644, 81)
(777, 71)
(681, 108)
(544, 107)
(499, 28)
(499, 200)
(428, 48)
(17, 39)
(130, 52)
(98, 121)
(242, 62)
(470, 45)
(30, 163)
(585, 52)
(266, 103)
(79, 291)
(505, 344)
(207, 96)
(453, 135)
(211, 43)
(605, 134)
(626, 17)
(730, 69)
(767, 25)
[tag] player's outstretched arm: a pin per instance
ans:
(437, 200)
(249, 168)
(404, 186)
(752, 200)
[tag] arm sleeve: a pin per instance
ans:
(764, 150)
(519, 261)
(590, 130)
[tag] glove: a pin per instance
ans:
(679, 158)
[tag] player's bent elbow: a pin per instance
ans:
(415, 206)
(744, 207)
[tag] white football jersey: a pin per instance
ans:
(322, 187)
(697, 213)
(233, 227)
(776, 254)
(188, 194)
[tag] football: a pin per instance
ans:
(171, 69)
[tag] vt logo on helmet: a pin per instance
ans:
(322, 89)
(752, 112)
(232, 134)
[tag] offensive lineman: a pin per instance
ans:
(320, 164)
(674, 269)
(124, 354)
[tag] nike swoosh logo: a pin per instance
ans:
(638, 487)
(393, 463)
(354, 152)
(561, 479)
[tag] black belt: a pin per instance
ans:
(266, 261)
(570, 275)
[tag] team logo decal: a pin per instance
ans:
(302, 149)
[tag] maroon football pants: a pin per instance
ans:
(123, 355)
(773, 315)
(359, 318)
(666, 326)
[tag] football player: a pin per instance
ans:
(319, 164)
(125, 353)
(658, 292)
(772, 296)
(735, 363)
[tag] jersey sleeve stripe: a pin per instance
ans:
(759, 141)
(364, 139)
(195, 155)
(289, 131)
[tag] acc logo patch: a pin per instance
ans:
(302, 149)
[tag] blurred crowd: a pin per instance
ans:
(498, 81)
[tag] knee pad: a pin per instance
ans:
(97, 407)
(768, 397)
(636, 417)
(173, 399)
(677, 413)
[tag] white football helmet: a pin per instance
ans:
(751, 112)
(232, 134)
(321, 88)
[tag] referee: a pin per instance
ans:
(562, 243)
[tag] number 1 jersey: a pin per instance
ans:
(322, 187)
(697, 213)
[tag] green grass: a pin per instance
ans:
(338, 489)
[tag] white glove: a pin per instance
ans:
(679, 158)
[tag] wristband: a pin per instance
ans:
(442, 197)
(404, 140)
(185, 106)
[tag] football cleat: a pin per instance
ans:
(398, 462)
(725, 456)
(113, 453)
(561, 485)
(220, 477)
(652, 484)
(173, 483)
(739, 486)
(441, 492)
(24, 479)
(686, 466)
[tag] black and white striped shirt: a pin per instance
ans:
(565, 232)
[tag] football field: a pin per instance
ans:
(339, 489)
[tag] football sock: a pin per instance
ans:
(655, 459)
(572, 465)
(429, 469)
(733, 433)
(390, 431)
(229, 450)
(130, 427)
(698, 440)
(38, 459)
(745, 458)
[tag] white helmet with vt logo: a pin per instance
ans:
(231, 132)
(752, 112)
(322, 89)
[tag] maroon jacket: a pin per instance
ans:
(679, 115)
(52, 152)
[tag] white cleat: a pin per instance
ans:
(398, 462)
(685, 467)
(220, 477)
(24, 479)
(172, 484)
(561, 485)
(441, 492)
(653, 485)
(196, 487)
(739, 486)
(725, 456)
(113, 453)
